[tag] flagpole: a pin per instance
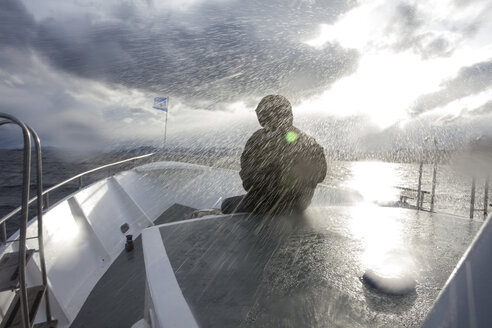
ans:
(165, 126)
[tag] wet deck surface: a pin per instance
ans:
(117, 300)
(305, 272)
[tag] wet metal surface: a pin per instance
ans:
(305, 271)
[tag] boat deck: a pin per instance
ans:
(117, 300)
(244, 271)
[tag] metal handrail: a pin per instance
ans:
(47, 191)
(411, 189)
(420, 193)
(24, 208)
(28, 132)
(39, 196)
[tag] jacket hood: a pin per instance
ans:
(274, 111)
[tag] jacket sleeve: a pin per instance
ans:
(314, 163)
(249, 169)
(320, 163)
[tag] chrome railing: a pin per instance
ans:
(420, 195)
(46, 192)
(26, 176)
(29, 133)
(485, 197)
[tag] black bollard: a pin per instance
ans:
(129, 243)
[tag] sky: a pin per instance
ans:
(361, 75)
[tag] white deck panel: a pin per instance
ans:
(107, 207)
(156, 188)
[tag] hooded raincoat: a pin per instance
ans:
(280, 164)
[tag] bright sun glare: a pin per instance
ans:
(385, 255)
(375, 181)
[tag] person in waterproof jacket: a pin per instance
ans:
(280, 164)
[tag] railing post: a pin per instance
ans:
(39, 203)
(486, 198)
(4, 234)
(472, 198)
(433, 192)
(80, 182)
(26, 182)
(47, 201)
(419, 187)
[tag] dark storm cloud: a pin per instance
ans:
(406, 23)
(221, 52)
(409, 25)
(470, 80)
(17, 26)
(39, 100)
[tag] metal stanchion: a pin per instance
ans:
(4, 234)
(419, 187)
(472, 198)
(46, 201)
(486, 198)
(433, 191)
